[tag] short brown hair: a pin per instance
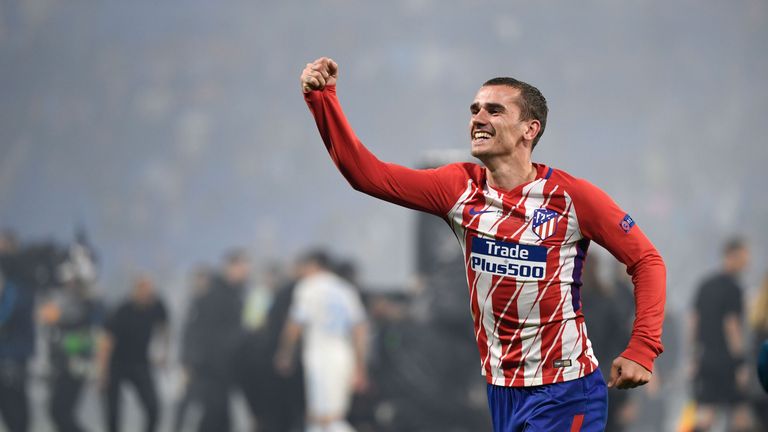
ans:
(533, 105)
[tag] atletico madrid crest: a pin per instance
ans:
(544, 223)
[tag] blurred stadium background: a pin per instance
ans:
(173, 131)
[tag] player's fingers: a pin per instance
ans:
(330, 65)
(322, 70)
(312, 82)
(623, 383)
(320, 64)
(306, 73)
(632, 380)
(333, 68)
(615, 373)
(319, 78)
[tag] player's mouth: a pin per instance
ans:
(480, 136)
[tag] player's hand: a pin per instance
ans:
(743, 376)
(626, 374)
(318, 74)
(360, 382)
(102, 379)
(283, 363)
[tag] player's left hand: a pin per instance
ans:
(626, 374)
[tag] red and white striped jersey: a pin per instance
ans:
(524, 252)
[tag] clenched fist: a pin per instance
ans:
(318, 74)
(626, 374)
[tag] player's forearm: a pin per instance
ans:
(734, 336)
(104, 349)
(649, 278)
(360, 342)
(289, 339)
(355, 162)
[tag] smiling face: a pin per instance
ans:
(495, 126)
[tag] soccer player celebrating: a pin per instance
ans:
(524, 229)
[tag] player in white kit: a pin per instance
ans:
(328, 316)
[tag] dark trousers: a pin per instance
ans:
(140, 377)
(215, 404)
(14, 405)
(283, 405)
(65, 394)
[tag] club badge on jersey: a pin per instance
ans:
(544, 223)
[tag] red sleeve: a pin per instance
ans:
(430, 190)
(602, 220)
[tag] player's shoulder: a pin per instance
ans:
(465, 169)
(582, 192)
(458, 173)
(569, 181)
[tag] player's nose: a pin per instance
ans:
(477, 123)
(480, 117)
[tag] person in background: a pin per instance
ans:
(218, 336)
(191, 352)
(283, 410)
(71, 317)
(253, 363)
(758, 320)
(328, 313)
(123, 352)
(17, 339)
(721, 375)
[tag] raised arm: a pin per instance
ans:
(431, 190)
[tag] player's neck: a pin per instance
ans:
(509, 173)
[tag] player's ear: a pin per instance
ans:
(532, 130)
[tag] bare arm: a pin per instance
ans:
(104, 347)
(693, 324)
(734, 336)
(360, 342)
(288, 341)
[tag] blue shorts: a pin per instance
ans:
(577, 405)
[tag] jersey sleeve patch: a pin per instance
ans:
(627, 223)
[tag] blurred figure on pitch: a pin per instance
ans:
(328, 314)
(71, 317)
(283, 410)
(17, 338)
(721, 376)
(254, 363)
(218, 336)
(123, 352)
(191, 393)
(758, 319)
